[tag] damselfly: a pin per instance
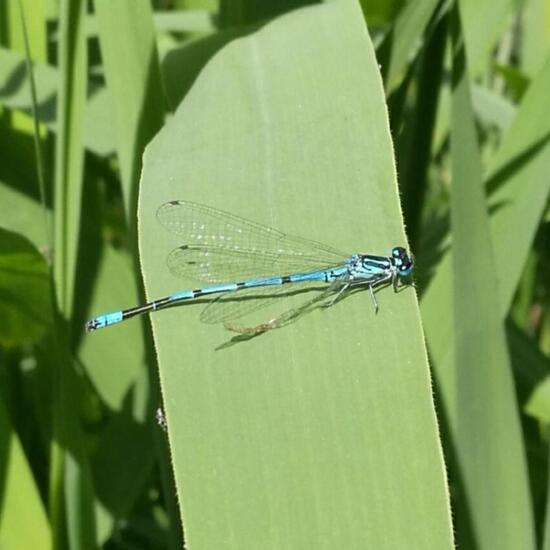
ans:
(249, 264)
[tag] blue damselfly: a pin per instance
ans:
(248, 264)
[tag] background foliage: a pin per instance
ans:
(324, 433)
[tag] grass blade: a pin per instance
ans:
(404, 39)
(518, 177)
(69, 158)
(132, 72)
(25, 292)
(71, 496)
(23, 521)
(14, 94)
(308, 436)
(418, 134)
(491, 460)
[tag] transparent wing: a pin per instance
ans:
(217, 264)
(237, 304)
(282, 319)
(223, 247)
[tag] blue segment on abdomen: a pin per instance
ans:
(182, 295)
(190, 294)
(219, 288)
(266, 281)
(108, 319)
(315, 276)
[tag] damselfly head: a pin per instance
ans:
(403, 260)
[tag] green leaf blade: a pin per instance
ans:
(310, 435)
(23, 521)
(132, 71)
(483, 417)
(69, 154)
(25, 294)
